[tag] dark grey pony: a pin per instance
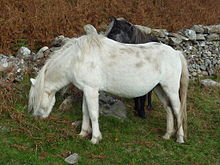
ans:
(123, 31)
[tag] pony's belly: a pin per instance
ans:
(130, 89)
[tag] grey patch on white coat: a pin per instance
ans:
(139, 64)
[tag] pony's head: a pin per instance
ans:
(120, 30)
(123, 31)
(41, 99)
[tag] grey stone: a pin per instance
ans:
(72, 159)
(198, 28)
(179, 36)
(194, 74)
(23, 52)
(67, 104)
(191, 34)
(204, 73)
(213, 37)
(162, 33)
(4, 64)
(209, 82)
(14, 68)
(214, 29)
(3, 128)
(110, 106)
(202, 67)
(77, 123)
(200, 37)
(208, 62)
(202, 44)
(175, 41)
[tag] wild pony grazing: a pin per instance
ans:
(123, 31)
(95, 63)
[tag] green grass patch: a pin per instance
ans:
(27, 140)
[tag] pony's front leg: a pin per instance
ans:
(86, 128)
(92, 101)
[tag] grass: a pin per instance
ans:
(26, 140)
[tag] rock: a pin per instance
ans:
(13, 67)
(23, 52)
(145, 29)
(203, 67)
(200, 37)
(175, 41)
(162, 33)
(198, 28)
(43, 52)
(4, 64)
(214, 29)
(191, 34)
(202, 44)
(89, 29)
(72, 159)
(110, 106)
(179, 36)
(3, 128)
(204, 73)
(77, 123)
(67, 104)
(207, 62)
(209, 82)
(194, 74)
(213, 37)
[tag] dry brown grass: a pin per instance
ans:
(39, 21)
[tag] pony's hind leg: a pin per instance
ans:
(170, 118)
(92, 96)
(86, 128)
(140, 105)
(172, 93)
(149, 105)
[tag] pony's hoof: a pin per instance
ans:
(142, 115)
(167, 136)
(96, 140)
(180, 140)
(84, 133)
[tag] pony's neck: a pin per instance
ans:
(54, 86)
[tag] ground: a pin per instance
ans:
(27, 140)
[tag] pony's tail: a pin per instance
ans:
(184, 81)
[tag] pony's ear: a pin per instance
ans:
(33, 81)
(89, 29)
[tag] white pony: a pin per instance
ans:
(95, 63)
